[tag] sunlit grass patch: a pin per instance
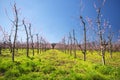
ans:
(57, 65)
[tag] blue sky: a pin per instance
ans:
(54, 19)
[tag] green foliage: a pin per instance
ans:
(12, 73)
(106, 70)
(117, 73)
(4, 66)
(56, 65)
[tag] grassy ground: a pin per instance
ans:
(56, 65)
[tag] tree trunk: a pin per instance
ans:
(110, 53)
(27, 49)
(84, 56)
(70, 37)
(10, 44)
(110, 49)
(68, 49)
(15, 37)
(40, 45)
(84, 50)
(37, 44)
(84, 43)
(74, 44)
(103, 58)
(16, 29)
(32, 44)
(102, 48)
(0, 50)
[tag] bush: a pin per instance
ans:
(4, 66)
(23, 69)
(2, 69)
(48, 69)
(78, 77)
(25, 77)
(33, 76)
(12, 74)
(74, 76)
(97, 77)
(105, 70)
(117, 75)
(27, 67)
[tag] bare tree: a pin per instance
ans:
(68, 44)
(71, 42)
(5, 39)
(10, 42)
(21, 45)
(27, 48)
(110, 37)
(44, 44)
(64, 45)
(31, 36)
(16, 25)
(84, 30)
(74, 43)
(37, 43)
(41, 44)
(103, 42)
(15, 22)
(84, 50)
(119, 40)
(1, 44)
(0, 49)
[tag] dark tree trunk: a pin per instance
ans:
(68, 45)
(84, 50)
(110, 36)
(37, 44)
(16, 26)
(110, 49)
(71, 42)
(13, 53)
(103, 58)
(74, 44)
(32, 44)
(10, 44)
(27, 49)
(0, 50)
(100, 36)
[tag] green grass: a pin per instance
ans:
(56, 65)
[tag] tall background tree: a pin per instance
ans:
(27, 39)
(37, 43)
(84, 25)
(110, 37)
(16, 24)
(101, 29)
(31, 37)
(74, 43)
(84, 30)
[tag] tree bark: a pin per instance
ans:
(15, 36)
(37, 44)
(0, 50)
(71, 42)
(27, 49)
(84, 50)
(32, 44)
(74, 44)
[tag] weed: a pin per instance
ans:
(55, 65)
